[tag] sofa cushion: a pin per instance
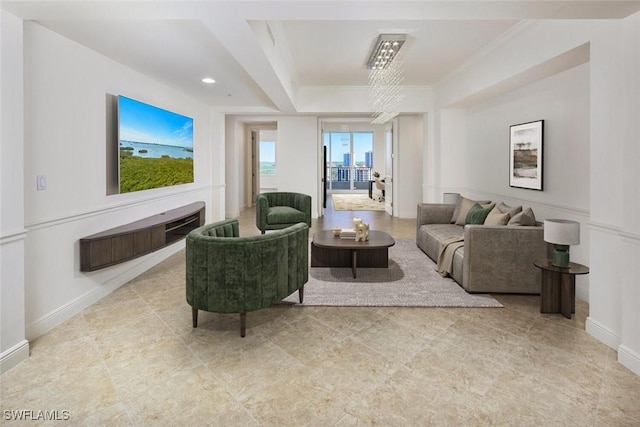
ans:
(526, 217)
(430, 236)
(477, 214)
(496, 217)
(512, 211)
(284, 215)
(465, 206)
(456, 211)
(494, 258)
(463, 202)
(457, 268)
(444, 231)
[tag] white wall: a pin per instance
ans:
(379, 150)
(609, 170)
(446, 169)
(66, 89)
(234, 167)
(13, 345)
(562, 101)
(614, 193)
(542, 41)
(474, 137)
(355, 99)
(297, 157)
(299, 163)
(216, 177)
(407, 175)
(629, 350)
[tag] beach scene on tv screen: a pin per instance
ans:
(156, 146)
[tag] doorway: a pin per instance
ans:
(349, 162)
(263, 148)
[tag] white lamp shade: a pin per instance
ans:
(561, 232)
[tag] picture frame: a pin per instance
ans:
(526, 155)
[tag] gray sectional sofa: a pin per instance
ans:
(494, 258)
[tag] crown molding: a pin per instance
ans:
(512, 32)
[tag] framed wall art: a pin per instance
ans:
(526, 155)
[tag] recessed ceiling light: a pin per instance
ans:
(208, 80)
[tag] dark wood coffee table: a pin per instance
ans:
(328, 250)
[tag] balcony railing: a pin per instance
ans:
(340, 177)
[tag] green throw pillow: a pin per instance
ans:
(477, 214)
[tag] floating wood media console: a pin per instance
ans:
(139, 238)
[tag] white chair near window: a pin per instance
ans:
(380, 186)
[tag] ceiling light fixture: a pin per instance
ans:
(385, 49)
(386, 74)
(208, 80)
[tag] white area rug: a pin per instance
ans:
(355, 202)
(410, 281)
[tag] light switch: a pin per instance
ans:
(41, 182)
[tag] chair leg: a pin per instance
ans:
(194, 315)
(243, 324)
(301, 293)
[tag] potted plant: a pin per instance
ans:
(376, 174)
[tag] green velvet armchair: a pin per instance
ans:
(278, 210)
(226, 273)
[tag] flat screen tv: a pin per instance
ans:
(155, 147)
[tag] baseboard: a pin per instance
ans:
(46, 323)
(582, 293)
(602, 333)
(629, 358)
(230, 215)
(408, 215)
(14, 355)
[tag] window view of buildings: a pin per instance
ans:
(351, 154)
(351, 160)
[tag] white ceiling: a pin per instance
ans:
(261, 51)
(328, 53)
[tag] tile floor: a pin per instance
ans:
(134, 359)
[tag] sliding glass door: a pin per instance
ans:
(349, 160)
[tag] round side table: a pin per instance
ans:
(558, 291)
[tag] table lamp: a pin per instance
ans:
(561, 233)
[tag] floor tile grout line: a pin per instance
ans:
(121, 400)
(524, 306)
(195, 355)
